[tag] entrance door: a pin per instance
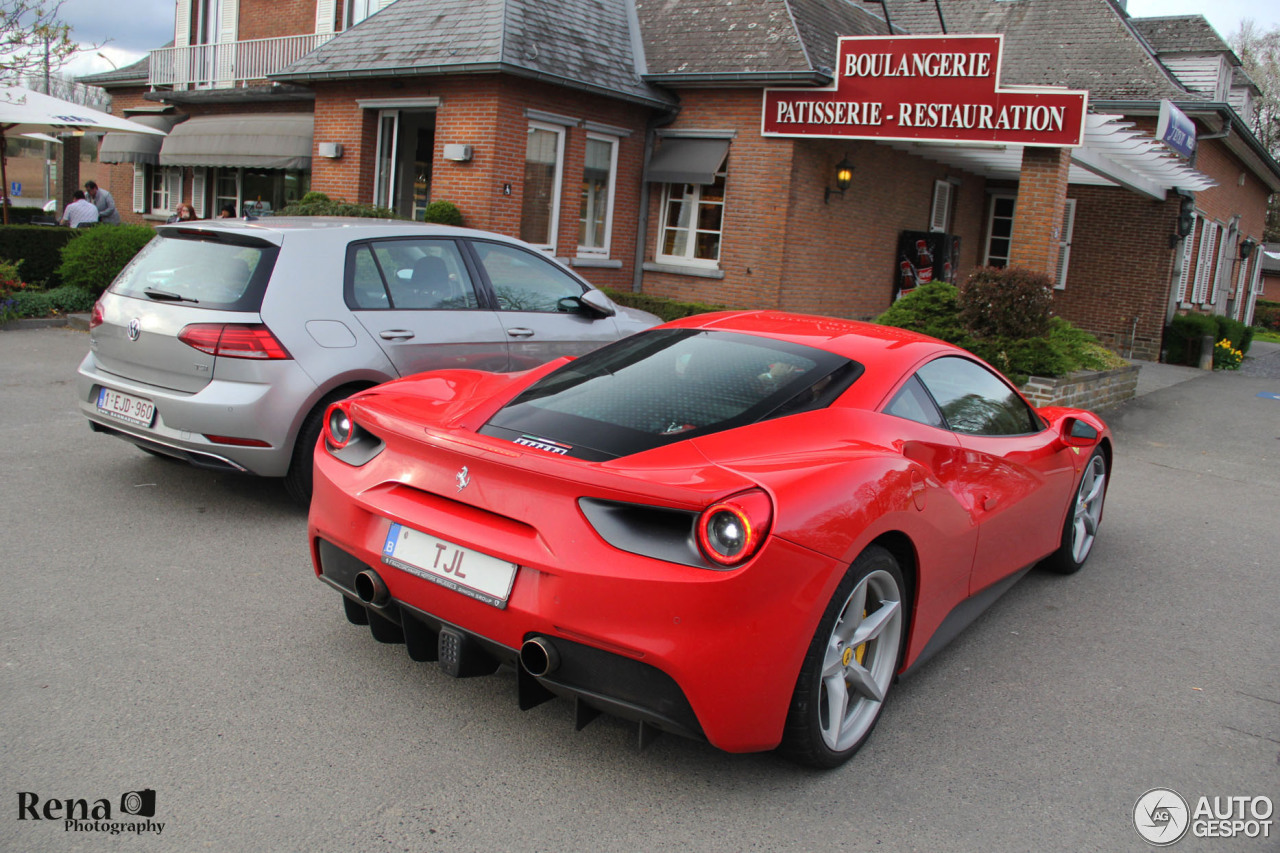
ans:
(406, 139)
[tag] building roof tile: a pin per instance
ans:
(578, 43)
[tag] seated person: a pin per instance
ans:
(80, 211)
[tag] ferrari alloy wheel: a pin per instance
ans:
(850, 665)
(1083, 518)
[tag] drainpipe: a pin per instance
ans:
(642, 219)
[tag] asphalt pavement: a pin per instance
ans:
(163, 630)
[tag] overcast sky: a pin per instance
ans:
(133, 27)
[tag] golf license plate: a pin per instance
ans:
(126, 407)
(463, 570)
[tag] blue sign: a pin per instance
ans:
(1176, 130)
(15, 188)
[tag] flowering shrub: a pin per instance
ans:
(1226, 357)
(1006, 303)
(10, 285)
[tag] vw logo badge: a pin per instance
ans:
(463, 479)
(135, 329)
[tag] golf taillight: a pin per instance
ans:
(337, 425)
(95, 319)
(732, 530)
(233, 340)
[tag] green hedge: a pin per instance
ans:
(667, 309)
(39, 247)
(1266, 315)
(937, 309)
(96, 256)
(1182, 336)
(67, 299)
(24, 215)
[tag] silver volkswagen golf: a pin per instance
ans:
(223, 341)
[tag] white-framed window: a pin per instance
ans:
(157, 190)
(693, 221)
(1188, 255)
(543, 172)
(599, 179)
(358, 10)
(999, 231)
(256, 192)
(1064, 243)
(940, 211)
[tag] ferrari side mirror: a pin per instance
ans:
(1078, 433)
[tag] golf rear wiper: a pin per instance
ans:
(167, 296)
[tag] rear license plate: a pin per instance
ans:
(471, 573)
(126, 407)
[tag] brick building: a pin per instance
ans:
(626, 138)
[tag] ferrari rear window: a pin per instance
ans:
(658, 387)
(200, 272)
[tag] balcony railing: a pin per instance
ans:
(230, 64)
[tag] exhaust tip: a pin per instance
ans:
(370, 589)
(539, 657)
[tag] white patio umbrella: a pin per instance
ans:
(23, 111)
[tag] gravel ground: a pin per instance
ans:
(1263, 360)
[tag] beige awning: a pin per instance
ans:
(269, 141)
(687, 161)
(137, 147)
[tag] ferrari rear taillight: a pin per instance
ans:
(337, 426)
(95, 319)
(732, 530)
(234, 340)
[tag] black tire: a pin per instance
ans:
(850, 680)
(1084, 517)
(297, 482)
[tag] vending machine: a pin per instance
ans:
(925, 256)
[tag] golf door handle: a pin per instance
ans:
(396, 335)
(520, 332)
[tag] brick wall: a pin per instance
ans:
(274, 18)
(1095, 390)
(1120, 268)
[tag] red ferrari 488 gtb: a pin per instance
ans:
(740, 527)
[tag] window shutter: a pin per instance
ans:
(228, 32)
(139, 188)
(1211, 266)
(172, 188)
(198, 181)
(182, 24)
(940, 215)
(1188, 248)
(1064, 245)
(1223, 264)
(326, 10)
(1204, 261)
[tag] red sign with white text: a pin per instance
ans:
(926, 89)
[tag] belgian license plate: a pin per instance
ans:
(126, 407)
(462, 570)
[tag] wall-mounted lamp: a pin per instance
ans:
(1246, 248)
(844, 177)
(332, 150)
